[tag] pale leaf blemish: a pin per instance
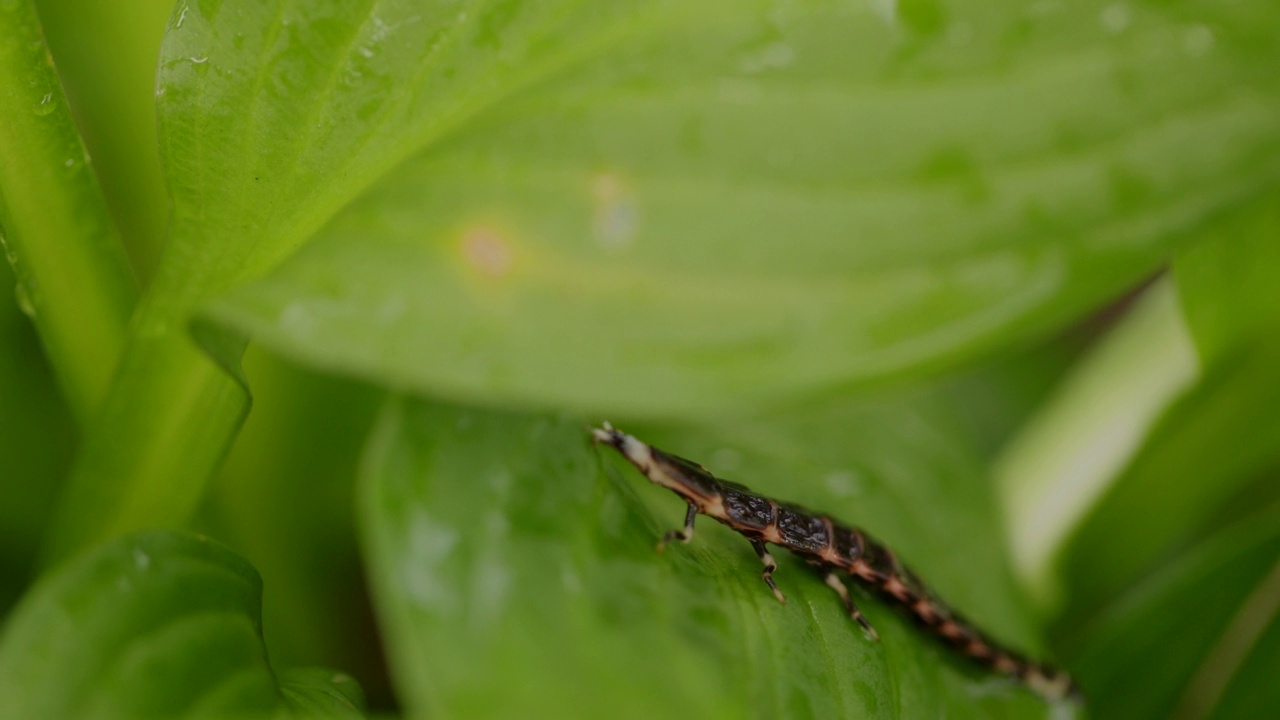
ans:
(1198, 41)
(773, 56)
(843, 483)
(960, 34)
(615, 217)
(141, 560)
(1115, 18)
(430, 544)
(487, 251)
(570, 580)
(297, 320)
(726, 460)
(491, 581)
(887, 10)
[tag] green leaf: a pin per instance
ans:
(36, 442)
(1211, 456)
(1194, 639)
(1069, 456)
(284, 499)
(1227, 281)
(57, 234)
(667, 208)
(150, 626)
(106, 58)
(515, 574)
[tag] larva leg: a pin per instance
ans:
(683, 535)
(833, 581)
(769, 566)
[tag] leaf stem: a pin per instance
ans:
(164, 427)
(73, 276)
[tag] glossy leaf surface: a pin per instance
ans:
(503, 546)
(669, 208)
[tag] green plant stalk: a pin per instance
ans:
(73, 277)
(165, 425)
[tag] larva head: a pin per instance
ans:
(686, 479)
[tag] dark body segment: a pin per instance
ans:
(831, 547)
(802, 532)
(746, 510)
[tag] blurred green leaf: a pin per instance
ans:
(1178, 539)
(1173, 645)
(158, 625)
(1227, 282)
(515, 573)
(36, 435)
(698, 209)
(1069, 456)
(284, 499)
(73, 276)
(1213, 455)
(106, 56)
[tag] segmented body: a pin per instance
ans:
(833, 548)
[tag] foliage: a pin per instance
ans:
(994, 283)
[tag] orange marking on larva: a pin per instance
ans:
(770, 534)
(1005, 664)
(977, 648)
(951, 630)
(829, 555)
(925, 610)
(862, 569)
(894, 587)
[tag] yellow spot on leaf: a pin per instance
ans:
(487, 251)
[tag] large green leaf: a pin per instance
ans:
(669, 207)
(515, 574)
(1171, 579)
(157, 625)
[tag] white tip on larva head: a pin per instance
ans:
(605, 433)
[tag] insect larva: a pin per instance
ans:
(834, 549)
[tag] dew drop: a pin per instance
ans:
(23, 297)
(46, 105)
